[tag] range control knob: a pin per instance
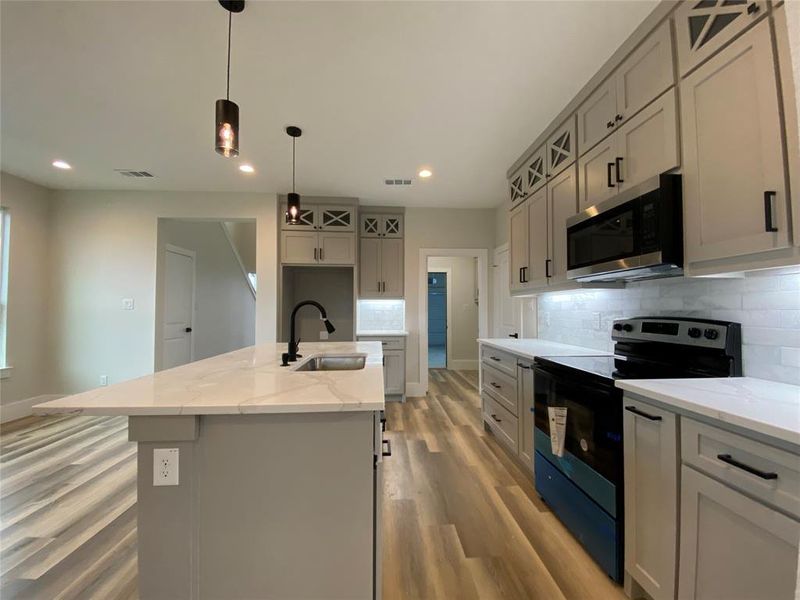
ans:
(617, 326)
(694, 332)
(711, 334)
(627, 327)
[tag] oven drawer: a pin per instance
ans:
(500, 360)
(502, 387)
(503, 423)
(769, 474)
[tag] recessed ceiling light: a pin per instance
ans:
(247, 169)
(425, 173)
(60, 164)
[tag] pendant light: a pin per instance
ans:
(227, 121)
(293, 200)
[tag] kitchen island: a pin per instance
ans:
(275, 489)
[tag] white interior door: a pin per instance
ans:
(506, 308)
(177, 347)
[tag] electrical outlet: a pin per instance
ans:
(103, 379)
(323, 335)
(127, 304)
(165, 466)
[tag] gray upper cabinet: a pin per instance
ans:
(536, 171)
(705, 26)
(516, 187)
(596, 115)
(639, 80)
(381, 261)
(645, 74)
(734, 181)
(596, 174)
(379, 225)
(538, 243)
(561, 149)
(562, 192)
(336, 218)
(518, 245)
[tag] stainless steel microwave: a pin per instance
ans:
(638, 234)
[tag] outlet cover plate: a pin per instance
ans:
(165, 466)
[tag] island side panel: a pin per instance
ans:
(268, 506)
(286, 505)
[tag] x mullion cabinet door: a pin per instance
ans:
(561, 148)
(336, 218)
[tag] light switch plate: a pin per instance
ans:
(165, 466)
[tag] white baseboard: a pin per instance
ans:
(23, 408)
(463, 365)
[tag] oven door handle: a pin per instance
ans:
(640, 413)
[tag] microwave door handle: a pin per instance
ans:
(609, 166)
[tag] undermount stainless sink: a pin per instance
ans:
(333, 362)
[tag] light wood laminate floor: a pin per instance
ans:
(461, 519)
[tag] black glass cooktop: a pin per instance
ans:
(598, 365)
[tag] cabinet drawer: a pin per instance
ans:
(500, 360)
(387, 343)
(770, 474)
(502, 387)
(503, 423)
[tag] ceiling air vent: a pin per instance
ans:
(132, 173)
(397, 181)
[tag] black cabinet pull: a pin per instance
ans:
(753, 8)
(768, 224)
(520, 274)
(188, 330)
(609, 125)
(525, 274)
(494, 358)
(547, 267)
(388, 451)
(609, 167)
(494, 385)
(521, 366)
(618, 164)
(315, 254)
(727, 458)
(320, 253)
(494, 416)
(514, 335)
(618, 118)
(636, 411)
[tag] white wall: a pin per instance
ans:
(104, 248)
(27, 335)
(243, 238)
(766, 304)
(225, 307)
(501, 224)
(463, 350)
(437, 228)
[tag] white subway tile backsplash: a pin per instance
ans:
(381, 315)
(766, 304)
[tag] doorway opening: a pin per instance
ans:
(205, 289)
(438, 318)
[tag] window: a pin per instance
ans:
(5, 220)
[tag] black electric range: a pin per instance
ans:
(584, 485)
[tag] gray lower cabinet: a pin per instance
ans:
(710, 513)
(394, 363)
(733, 546)
(651, 497)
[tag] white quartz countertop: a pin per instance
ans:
(385, 332)
(767, 407)
(531, 348)
(249, 380)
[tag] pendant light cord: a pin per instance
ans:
(228, 85)
(294, 139)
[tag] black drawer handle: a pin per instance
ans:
(494, 358)
(727, 458)
(388, 451)
(636, 411)
(753, 8)
(494, 385)
(609, 167)
(769, 224)
(494, 416)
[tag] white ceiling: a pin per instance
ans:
(379, 88)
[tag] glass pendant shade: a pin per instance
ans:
(293, 207)
(227, 142)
